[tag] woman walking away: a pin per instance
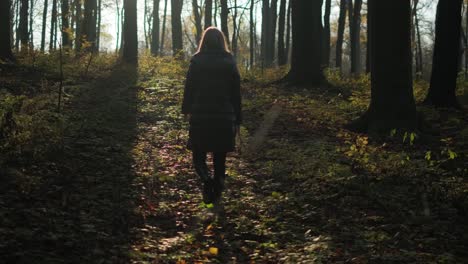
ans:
(212, 104)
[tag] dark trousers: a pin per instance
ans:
(219, 163)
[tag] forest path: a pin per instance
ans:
(303, 190)
(296, 194)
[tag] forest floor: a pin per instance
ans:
(115, 182)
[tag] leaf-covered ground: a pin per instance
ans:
(119, 188)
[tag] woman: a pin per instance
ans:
(212, 104)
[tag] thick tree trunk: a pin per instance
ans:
(224, 19)
(53, 26)
(23, 24)
(89, 24)
(130, 29)
(65, 24)
(445, 58)
(198, 20)
(44, 25)
(155, 31)
(392, 103)
(326, 34)
(265, 32)
(281, 25)
(340, 34)
(307, 35)
(176, 22)
(5, 31)
(208, 13)
(163, 35)
(356, 38)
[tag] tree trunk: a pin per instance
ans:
(44, 25)
(445, 58)
(53, 25)
(31, 20)
(17, 34)
(78, 22)
(466, 42)
(265, 33)
(5, 31)
(208, 13)
(224, 19)
(368, 44)
(356, 39)
(198, 21)
(272, 31)
(252, 34)
(340, 34)
(155, 31)
(65, 24)
(89, 24)
(288, 31)
(145, 17)
(163, 36)
(130, 44)
(307, 30)
(176, 22)
(281, 25)
(23, 24)
(234, 29)
(392, 103)
(98, 26)
(326, 34)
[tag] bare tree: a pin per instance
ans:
(130, 29)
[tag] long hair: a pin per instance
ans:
(213, 39)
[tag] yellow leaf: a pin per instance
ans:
(213, 251)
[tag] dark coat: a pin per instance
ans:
(212, 97)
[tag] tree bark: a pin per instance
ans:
(89, 24)
(272, 31)
(176, 22)
(163, 35)
(392, 103)
(98, 26)
(252, 34)
(265, 33)
(198, 21)
(208, 13)
(78, 22)
(224, 19)
(281, 25)
(5, 31)
(326, 34)
(234, 29)
(288, 31)
(65, 24)
(155, 31)
(53, 26)
(44, 25)
(445, 59)
(340, 34)
(368, 43)
(130, 29)
(307, 35)
(356, 39)
(23, 24)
